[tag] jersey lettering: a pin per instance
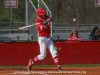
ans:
(41, 27)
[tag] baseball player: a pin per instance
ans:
(44, 40)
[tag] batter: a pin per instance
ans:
(45, 41)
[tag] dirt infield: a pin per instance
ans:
(52, 71)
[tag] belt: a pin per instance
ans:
(45, 36)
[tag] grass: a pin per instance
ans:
(82, 65)
(53, 66)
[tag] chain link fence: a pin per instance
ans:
(31, 18)
(84, 11)
(81, 15)
(13, 18)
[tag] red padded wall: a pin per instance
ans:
(85, 52)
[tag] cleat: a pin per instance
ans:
(59, 69)
(30, 64)
(28, 67)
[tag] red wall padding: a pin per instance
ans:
(85, 52)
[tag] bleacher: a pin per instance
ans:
(62, 31)
(10, 34)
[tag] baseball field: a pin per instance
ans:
(75, 69)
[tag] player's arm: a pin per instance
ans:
(41, 26)
(49, 19)
(45, 22)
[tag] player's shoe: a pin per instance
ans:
(59, 69)
(30, 64)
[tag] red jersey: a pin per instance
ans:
(41, 30)
(75, 38)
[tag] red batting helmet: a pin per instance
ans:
(41, 11)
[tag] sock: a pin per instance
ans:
(35, 59)
(56, 60)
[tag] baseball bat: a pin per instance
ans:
(21, 28)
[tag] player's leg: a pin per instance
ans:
(54, 54)
(41, 56)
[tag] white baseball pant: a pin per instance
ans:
(44, 43)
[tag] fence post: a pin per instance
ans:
(26, 13)
(11, 18)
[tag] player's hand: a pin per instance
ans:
(45, 22)
(48, 20)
